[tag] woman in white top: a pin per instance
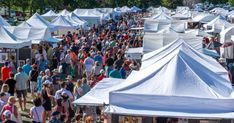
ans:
(36, 112)
(5, 89)
(78, 91)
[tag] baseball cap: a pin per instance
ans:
(47, 82)
(7, 113)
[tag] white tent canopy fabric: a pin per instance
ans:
(82, 23)
(61, 22)
(154, 41)
(99, 94)
(30, 33)
(204, 18)
(88, 16)
(178, 85)
(8, 40)
(50, 14)
(38, 21)
(125, 9)
(161, 17)
(218, 24)
(3, 22)
(135, 9)
(24, 24)
(63, 13)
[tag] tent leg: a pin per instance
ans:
(17, 58)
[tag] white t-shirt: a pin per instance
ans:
(37, 113)
(88, 63)
(59, 92)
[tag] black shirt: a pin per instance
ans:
(34, 75)
(70, 86)
(11, 83)
(109, 62)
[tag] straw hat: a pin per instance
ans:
(11, 100)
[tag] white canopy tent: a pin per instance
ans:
(162, 17)
(8, 40)
(63, 13)
(24, 24)
(89, 17)
(82, 23)
(30, 33)
(135, 9)
(154, 41)
(3, 22)
(62, 23)
(217, 25)
(203, 18)
(161, 9)
(99, 94)
(219, 11)
(38, 21)
(125, 9)
(49, 14)
(180, 84)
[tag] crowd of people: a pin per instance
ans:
(58, 74)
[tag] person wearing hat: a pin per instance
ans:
(21, 86)
(5, 71)
(55, 77)
(47, 76)
(102, 75)
(55, 117)
(63, 88)
(70, 85)
(11, 107)
(7, 115)
(33, 74)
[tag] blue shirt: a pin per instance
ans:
(115, 74)
(122, 72)
(21, 80)
(39, 83)
(27, 68)
(85, 88)
(98, 58)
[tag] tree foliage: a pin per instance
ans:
(42, 5)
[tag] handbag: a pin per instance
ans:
(70, 110)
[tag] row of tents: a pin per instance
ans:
(174, 81)
(164, 28)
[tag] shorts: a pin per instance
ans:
(19, 93)
(33, 86)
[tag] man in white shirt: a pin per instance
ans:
(88, 63)
(63, 89)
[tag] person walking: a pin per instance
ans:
(11, 83)
(21, 87)
(36, 112)
(5, 71)
(33, 74)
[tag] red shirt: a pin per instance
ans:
(5, 73)
(100, 77)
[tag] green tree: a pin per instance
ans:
(231, 2)
(22, 4)
(8, 4)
